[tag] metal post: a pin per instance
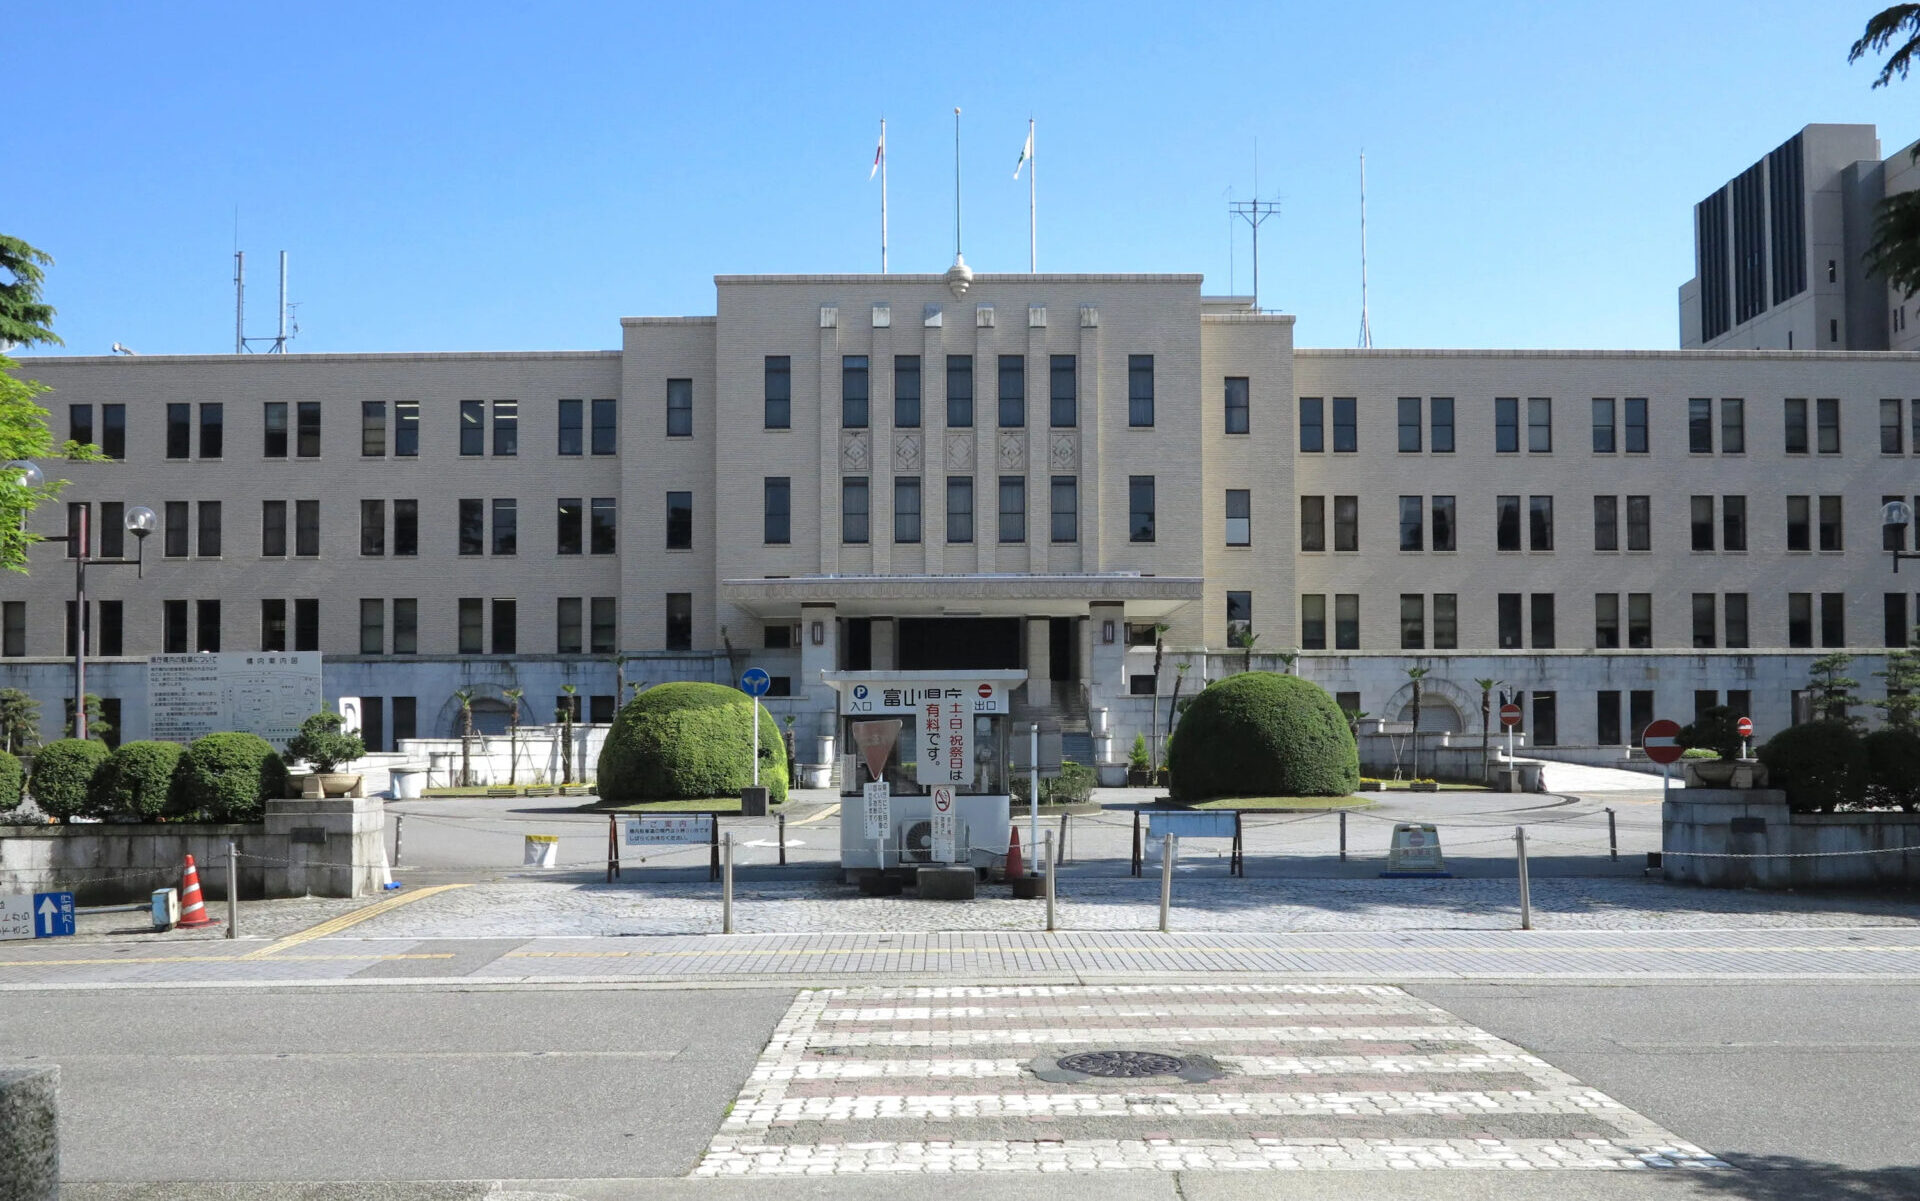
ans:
(1343, 836)
(755, 719)
(613, 848)
(713, 849)
(80, 621)
(1051, 862)
(233, 890)
(1613, 837)
(399, 821)
(781, 834)
(1166, 880)
(726, 885)
(1063, 838)
(1133, 865)
(1526, 893)
(1033, 798)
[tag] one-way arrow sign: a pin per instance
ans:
(55, 913)
(48, 912)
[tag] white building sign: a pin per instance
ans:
(877, 801)
(268, 694)
(983, 696)
(945, 738)
(669, 831)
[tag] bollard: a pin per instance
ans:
(1063, 838)
(1133, 866)
(781, 835)
(1526, 895)
(1166, 881)
(613, 848)
(1613, 837)
(1343, 836)
(233, 890)
(1052, 863)
(726, 884)
(399, 820)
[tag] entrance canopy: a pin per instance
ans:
(980, 595)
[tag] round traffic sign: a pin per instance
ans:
(1662, 741)
(1745, 726)
(755, 682)
(1509, 715)
(985, 691)
(942, 799)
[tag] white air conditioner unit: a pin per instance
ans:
(914, 841)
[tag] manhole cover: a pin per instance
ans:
(1123, 1063)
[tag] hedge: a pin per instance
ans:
(688, 741)
(12, 778)
(1261, 733)
(1820, 764)
(228, 776)
(138, 780)
(1893, 767)
(62, 772)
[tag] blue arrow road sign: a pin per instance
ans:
(755, 682)
(52, 914)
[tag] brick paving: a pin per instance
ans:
(1308, 1096)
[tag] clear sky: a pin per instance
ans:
(509, 176)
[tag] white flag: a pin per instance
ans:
(1026, 153)
(879, 154)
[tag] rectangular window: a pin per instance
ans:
(1636, 425)
(1546, 719)
(1736, 623)
(1313, 622)
(74, 634)
(1827, 423)
(1733, 426)
(306, 416)
(1606, 620)
(1830, 529)
(853, 510)
(373, 527)
(213, 429)
(406, 625)
(173, 627)
(1833, 619)
(1440, 424)
(1140, 509)
(1313, 523)
(273, 624)
(1700, 426)
(1139, 389)
(1799, 619)
(1238, 408)
(76, 513)
(568, 538)
(1409, 426)
(853, 394)
(1346, 622)
(113, 529)
(275, 427)
(1894, 627)
(600, 709)
(406, 436)
(178, 533)
(306, 624)
(1733, 523)
(1603, 433)
(472, 625)
(1312, 425)
(1346, 425)
(1506, 425)
(473, 429)
(406, 528)
(1508, 604)
(679, 621)
(179, 431)
(959, 391)
(206, 626)
(373, 626)
(1066, 508)
(568, 638)
(1539, 425)
(1606, 523)
(1639, 620)
(906, 508)
(506, 620)
(112, 628)
(1639, 523)
(1540, 523)
(1446, 621)
(602, 614)
(80, 424)
(306, 527)
(1239, 517)
(1346, 523)
(113, 430)
(779, 392)
(1013, 392)
(1540, 605)
(1239, 618)
(1892, 429)
(1705, 621)
(606, 426)
(1413, 621)
(959, 508)
(506, 428)
(573, 427)
(1412, 524)
(906, 390)
(602, 518)
(273, 528)
(373, 722)
(777, 510)
(1892, 537)
(1443, 524)
(1607, 718)
(404, 727)
(373, 429)
(680, 521)
(1702, 522)
(506, 526)
(1796, 433)
(1013, 508)
(1506, 523)
(473, 527)
(1799, 523)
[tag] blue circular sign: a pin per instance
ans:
(755, 682)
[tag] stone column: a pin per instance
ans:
(816, 657)
(1039, 659)
(886, 654)
(29, 1133)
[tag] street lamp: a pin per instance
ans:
(140, 522)
(1897, 515)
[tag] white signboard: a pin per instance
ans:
(656, 831)
(982, 696)
(268, 694)
(877, 807)
(1416, 848)
(943, 736)
(16, 917)
(943, 826)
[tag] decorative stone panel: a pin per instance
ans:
(983, 316)
(1089, 316)
(882, 316)
(909, 450)
(930, 316)
(829, 316)
(960, 450)
(1013, 450)
(856, 452)
(1063, 450)
(1036, 316)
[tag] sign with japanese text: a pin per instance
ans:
(944, 736)
(877, 809)
(982, 696)
(657, 831)
(945, 830)
(36, 915)
(267, 693)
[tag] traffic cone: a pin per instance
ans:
(1016, 868)
(193, 910)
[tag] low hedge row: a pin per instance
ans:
(223, 777)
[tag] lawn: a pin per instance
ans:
(1286, 802)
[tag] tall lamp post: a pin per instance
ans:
(1895, 517)
(140, 522)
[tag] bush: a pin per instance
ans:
(139, 779)
(1716, 730)
(229, 776)
(689, 741)
(11, 780)
(1073, 786)
(1893, 767)
(1820, 764)
(1137, 757)
(321, 744)
(1261, 733)
(62, 772)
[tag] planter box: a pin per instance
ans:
(1831, 849)
(1423, 786)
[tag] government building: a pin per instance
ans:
(954, 471)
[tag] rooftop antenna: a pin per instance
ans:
(959, 276)
(1366, 329)
(242, 344)
(1254, 212)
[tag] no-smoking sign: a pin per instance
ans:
(942, 799)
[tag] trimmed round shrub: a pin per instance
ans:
(1820, 764)
(62, 773)
(12, 778)
(229, 776)
(1261, 733)
(688, 741)
(138, 780)
(1893, 767)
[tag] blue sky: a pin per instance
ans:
(493, 176)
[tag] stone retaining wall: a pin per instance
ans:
(29, 1133)
(1724, 821)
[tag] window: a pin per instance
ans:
(779, 392)
(306, 624)
(506, 635)
(1312, 425)
(959, 508)
(213, 426)
(406, 625)
(113, 431)
(1412, 531)
(1705, 619)
(1639, 620)
(306, 527)
(307, 429)
(406, 528)
(1346, 622)
(600, 709)
(1346, 523)
(567, 538)
(1700, 426)
(473, 428)
(1446, 621)
(373, 429)
(906, 508)
(506, 526)
(777, 508)
(573, 424)
(1239, 412)
(1607, 718)
(1540, 605)
(1796, 435)
(568, 638)
(1413, 621)
(1733, 426)
(1733, 523)
(1313, 523)
(373, 527)
(1799, 523)
(602, 518)
(853, 510)
(179, 431)
(275, 425)
(1506, 425)
(273, 625)
(1313, 622)
(1799, 619)
(206, 626)
(1409, 426)
(76, 513)
(1346, 430)
(472, 623)
(1736, 606)
(406, 435)
(679, 521)
(959, 391)
(606, 426)
(76, 619)
(679, 621)
(473, 527)
(1139, 389)
(1827, 426)
(1892, 429)
(1239, 618)
(403, 719)
(1606, 620)
(680, 404)
(1833, 619)
(1639, 523)
(1066, 508)
(373, 723)
(80, 424)
(1140, 508)
(273, 528)
(853, 394)
(906, 390)
(602, 615)
(177, 533)
(1603, 440)
(506, 428)
(173, 627)
(1013, 392)
(1636, 423)
(1443, 523)
(1830, 531)
(1546, 720)
(1606, 523)
(1894, 627)
(1239, 517)
(113, 529)
(1508, 604)
(1540, 523)
(1702, 515)
(1440, 424)
(1013, 508)
(779, 637)
(1506, 523)
(373, 626)
(13, 627)
(1539, 425)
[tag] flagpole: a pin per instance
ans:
(883, 195)
(956, 183)
(1033, 171)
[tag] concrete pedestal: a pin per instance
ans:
(29, 1134)
(753, 802)
(945, 883)
(333, 846)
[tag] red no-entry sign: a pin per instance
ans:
(1745, 726)
(1662, 741)
(1509, 715)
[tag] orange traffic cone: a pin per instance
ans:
(1016, 867)
(193, 910)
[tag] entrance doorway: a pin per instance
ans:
(959, 643)
(1062, 649)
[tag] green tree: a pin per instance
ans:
(24, 433)
(1894, 253)
(465, 697)
(1832, 688)
(565, 715)
(1900, 708)
(19, 722)
(97, 727)
(513, 696)
(25, 319)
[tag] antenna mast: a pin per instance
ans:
(1366, 328)
(242, 344)
(1254, 212)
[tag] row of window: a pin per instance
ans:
(856, 509)
(1010, 392)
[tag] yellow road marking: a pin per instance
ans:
(821, 816)
(207, 959)
(337, 924)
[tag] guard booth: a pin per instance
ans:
(924, 771)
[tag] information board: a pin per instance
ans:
(945, 739)
(268, 694)
(655, 831)
(36, 915)
(1192, 824)
(945, 831)
(877, 808)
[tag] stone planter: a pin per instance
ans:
(1139, 777)
(1723, 773)
(1423, 786)
(329, 784)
